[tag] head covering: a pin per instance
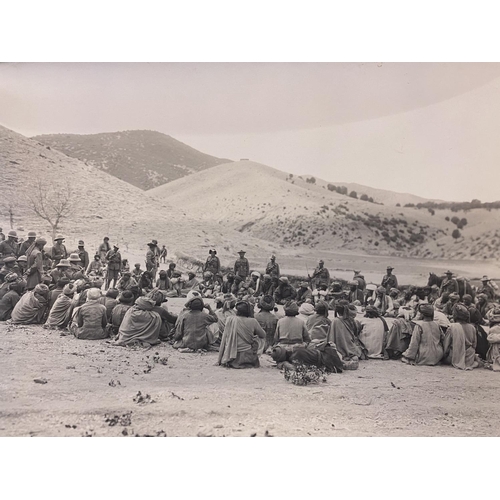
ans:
(213, 251)
(40, 241)
(9, 259)
(195, 304)
(494, 315)
(435, 287)
(242, 251)
(371, 311)
(256, 274)
(12, 234)
(116, 246)
(113, 293)
(156, 296)
(144, 303)
(393, 290)
(426, 310)
(306, 309)
(454, 296)
(291, 308)
(59, 237)
(304, 284)
(243, 308)
(207, 274)
(448, 272)
(266, 303)
(267, 276)
(352, 283)
(31, 234)
(321, 261)
(81, 243)
(191, 275)
(352, 310)
(284, 279)
(74, 257)
(41, 289)
(64, 263)
(482, 296)
(11, 277)
(485, 278)
(126, 297)
(93, 294)
(390, 268)
(381, 289)
(321, 307)
(467, 298)
(461, 313)
(69, 289)
(23, 258)
(273, 256)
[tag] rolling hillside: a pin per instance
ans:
(143, 158)
(104, 206)
(262, 202)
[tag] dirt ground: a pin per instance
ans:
(88, 382)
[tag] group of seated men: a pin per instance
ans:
(424, 331)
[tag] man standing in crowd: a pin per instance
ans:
(273, 268)
(35, 264)
(486, 288)
(321, 276)
(103, 249)
(241, 266)
(151, 259)
(114, 260)
(83, 254)
(163, 254)
(212, 264)
(58, 250)
(389, 280)
(9, 247)
(25, 245)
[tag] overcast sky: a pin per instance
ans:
(428, 129)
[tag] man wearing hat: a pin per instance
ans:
(241, 266)
(34, 266)
(449, 284)
(58, 250)
(61, 271)
(83, 254)
(103, 249)
(9, 266)
(114, 260)
(9, 247)
(25, 245)
(321, 276)
(163, 254)
(486, 288)
(389, 280)
(212, 263)
(304, 293)
(22, 262)
(152, 259)
(76, 270)
(273, 268)
(355, 294)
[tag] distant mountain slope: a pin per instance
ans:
(105, 206)
(266, 203)
(143, 158)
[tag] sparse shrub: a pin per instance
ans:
(353, 194)
(456, 234)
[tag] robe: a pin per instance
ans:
(460, 346)
(372, 336)
(318, 326)
(291, 330)
(30, 309)
(398, 337)
(268, 321)
(342, 334)
(140, 324)
(426, 345)
(493, 354)
(117, 316)
(242, 341)
(89, 321)
(60, 313)
(192, 330)
(7, 304)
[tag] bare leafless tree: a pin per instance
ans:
(51, 202)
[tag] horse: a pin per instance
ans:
(464, 286)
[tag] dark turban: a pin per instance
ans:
(195, 304)
(266, 303)
(371, 312)
(243, 308)
(126, 297)
(113, 293)
(321, 307)
(426, 310)
(291, 308)
(461, 313)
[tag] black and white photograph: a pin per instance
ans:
(284, 236)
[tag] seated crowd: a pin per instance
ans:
(421, 326)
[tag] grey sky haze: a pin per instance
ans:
(425, 128)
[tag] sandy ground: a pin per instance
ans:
(90, 381)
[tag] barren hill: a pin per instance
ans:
(104, 206)
(271, 205)
(143, 158)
